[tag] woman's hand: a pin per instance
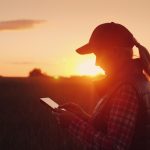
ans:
(63, 117)
(75, 109)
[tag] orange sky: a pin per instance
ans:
(45, 33)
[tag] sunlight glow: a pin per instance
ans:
(87, 67)
(56, 77)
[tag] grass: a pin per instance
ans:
(26, 124)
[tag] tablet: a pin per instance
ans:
(49, 102)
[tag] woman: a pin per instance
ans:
(121, 119)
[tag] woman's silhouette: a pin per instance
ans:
(121, 119)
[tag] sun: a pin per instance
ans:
(87, 67)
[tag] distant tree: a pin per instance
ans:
(36, 72)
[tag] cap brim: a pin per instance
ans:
(86, 49)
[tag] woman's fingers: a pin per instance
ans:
(74, 108)
(57, 110)
(70, 106)
(63, 117)
(58, 114)
(67, 105)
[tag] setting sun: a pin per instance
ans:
(87, 67)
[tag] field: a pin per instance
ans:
(26, 124)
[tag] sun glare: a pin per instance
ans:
(56, 77)
(87, 67)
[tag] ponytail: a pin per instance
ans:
(144, 57)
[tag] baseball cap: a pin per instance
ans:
(108, 35)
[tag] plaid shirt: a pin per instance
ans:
(120, 125)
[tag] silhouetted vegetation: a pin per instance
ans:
(37, 73)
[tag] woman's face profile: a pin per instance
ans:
(107, 60)
(102, 61)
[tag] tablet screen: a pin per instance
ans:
(50, 102)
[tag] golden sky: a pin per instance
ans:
(45, 33)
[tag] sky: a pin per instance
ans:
(45, 33)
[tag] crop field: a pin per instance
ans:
(26, 124)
